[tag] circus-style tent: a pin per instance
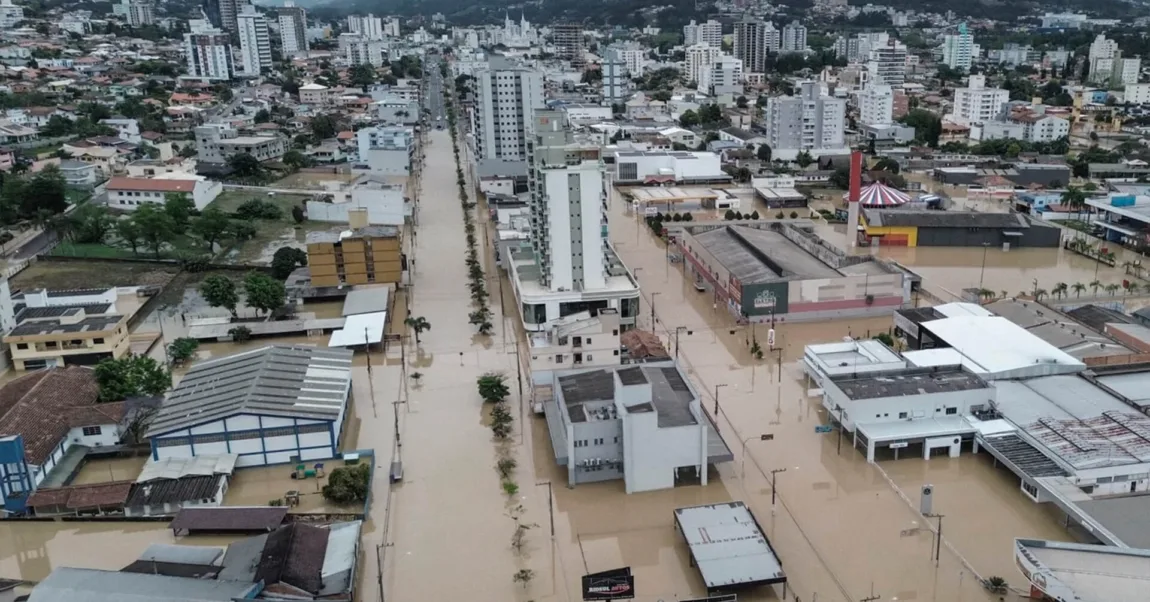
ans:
(880, 195)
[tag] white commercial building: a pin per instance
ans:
(698, 58)
(723, 76)
(569, 266)
(272, 405)
(1038, 127)
(360, 50)
(10, 14)
(209, 52)
(1125, 71)
(976, 103)
(385, 150)
(643, 424)
(958, 49)
(255, 41)
(577, 341)
(635, 59)
(709, 33)
(369, 26)
(810, 121)
(876, 105)
(1137, 94)
(507, 96)
(128, 194)
(667, 166)
(293, 30)
(794, 38)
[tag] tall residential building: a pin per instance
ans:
(10, 14)
(1125, 71)
(391, 27)
(858, 47)
(958, 50)
(724, 75)
(370, 27)
(293, 29)
(709, 33)
(698, 58)
(507, 96)
(137, 13)
(615, 79)
(809, 121)
(978, 104)
(635, 60)
(1105, 62)
(358, 50)
(255, 41)
(753, 40)
(794, 38)
(887, 63)
(568, 40)
(876, 105)
(223, 14)
(209, 52)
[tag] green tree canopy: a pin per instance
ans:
(220, 291)
(131, 376)
(263, 292)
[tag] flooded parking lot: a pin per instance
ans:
(106, 470)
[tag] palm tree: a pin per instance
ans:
(985, 293)
(1039, 293)
(1111, 288)
(1075, 199)
(1005, 294)
(1134, 288)
(1126, 265)
(418, 325)
(1078, 288)
(1059, 289)
(1126, 286)
(1095, 285)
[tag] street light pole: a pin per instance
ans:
(937, 537)
(653, 310)
(679, 329)
(773, 473)
(743, 460)
(982, 272)
(717, 405)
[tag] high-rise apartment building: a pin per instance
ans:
(978, 104)
(507, 96)
(568, 40)
(857, 48)
(10, 14)
(809, 121)
(391, 27)
(137, 13)
(886, 63)
(208, 51)
(615, 80)
(369, 27)
(794, 38)
(753, 40)
(723, 76)
(223, 14)
(876, 105)
(635, 60)
(293, 29)
(958, 49)
(698, 58)
(358, 50)
(255, 41)
(709, 33)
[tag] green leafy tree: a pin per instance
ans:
(182, 350)
(258, 209)
(927, 125)
(804, 159)
(131, 376)
(241, 230)
(285, 260)
(763, 153)
(220, 291)
(296, 160)
(240, 334)
(493, 387)
(263, 292)
(363, 75)
(90, 223)
(244, 165)
(180, 207)
(348, 484)
(688, 119)
(324, 126)
(156, 226)
(211, 226)
(45, 191)
(297, 214)
(129, 232)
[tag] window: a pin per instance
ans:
(91, 431)
(50, 345)
(98, 341)
(951, 411)
(902, 415)
(559, 358)
(21, 345)
(587, 357)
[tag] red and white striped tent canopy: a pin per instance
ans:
(880, 195)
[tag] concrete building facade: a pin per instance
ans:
(255, 41)
(507, 96)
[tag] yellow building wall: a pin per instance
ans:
(910, 232)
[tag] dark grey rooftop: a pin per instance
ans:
(945, 219)
(40, 313)
(632, 376)
(48, 327)
(910, 382)
(290, 381)
(1025, 456)
(918, 315)
(671, 396)
(756, 255)
(1097, 316)
(1124, 516)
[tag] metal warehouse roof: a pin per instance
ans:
(292, 381)
(728, 546)
(67, 584)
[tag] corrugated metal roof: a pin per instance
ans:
(166, 552)
(67, 584)
(175, 468)
(728, 546)
(293, 381)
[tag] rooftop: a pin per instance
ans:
(178, 468)
(1133, 386)
(913, 381)
(1057, 329)
(94, 324)
(81, 497)
(295, 381)
(728, 546)
(755, 255)
(945, 219)
(671, 396)
(151, 184)
(1016, 351)
(1087, 572)
(229, 518)
(65, 584)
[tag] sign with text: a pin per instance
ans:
(617, 584)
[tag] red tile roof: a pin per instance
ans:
(149, 184)
(82, 497)
(57, 400)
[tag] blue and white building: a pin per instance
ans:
(278, 404)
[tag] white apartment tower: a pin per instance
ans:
(699, 58)
(10, 14)
(369, 27)
(958, 50)
(709, 33)
(139, 13)
(357, 50)
(293, 29)
(794, 38)
(208, 51)
(753, 40)
(810, 121)
(507, 97)
(635, 59)
(876, 105)
(614, 77)
(567, 191)
(723, 76)
(391, 27)
(255, 41)
(886, 63)
(978, 104)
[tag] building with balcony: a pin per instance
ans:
(45, 337)
(569, 266)
(360, 255)
(386, 150)
(976, 103)
(577, 341)
(809, 121)
(506, 97)
(216, 143)
(128, 194)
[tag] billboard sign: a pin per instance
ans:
(763, 299)
(616, 584)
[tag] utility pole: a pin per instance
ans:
(717, 406)
(679, 329)
(773, 473)
(653, 311)
(839, 451)
(550, 505)
(937, 538)
(370, 380)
